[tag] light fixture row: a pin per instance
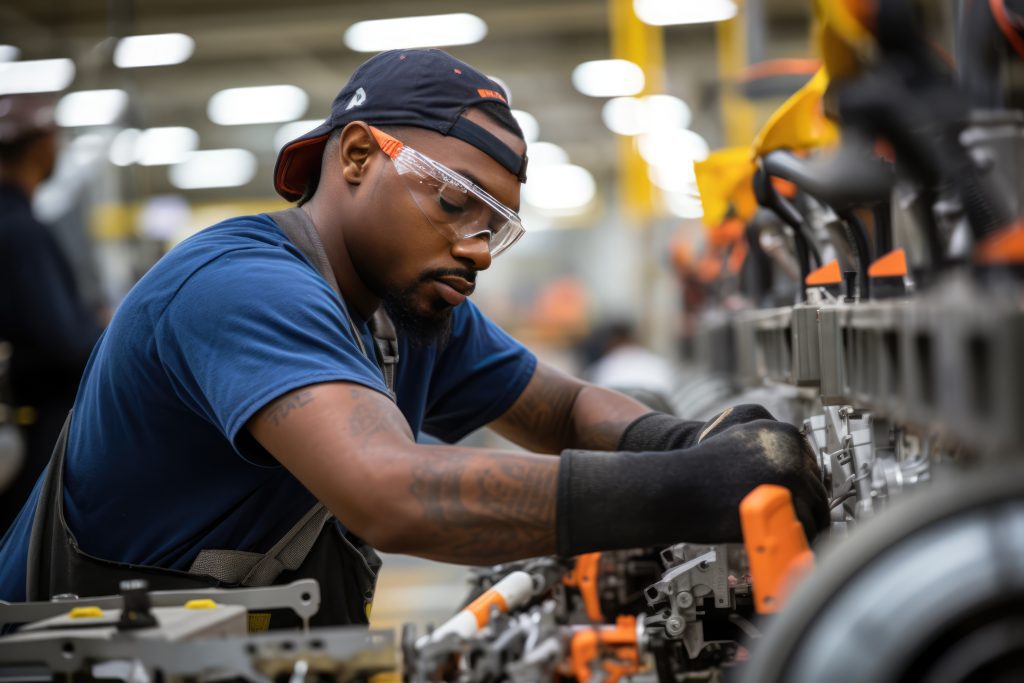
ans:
(657, 117)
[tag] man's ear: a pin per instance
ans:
(355, 147)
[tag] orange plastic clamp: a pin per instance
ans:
(893, 264)
(737, 256)
(481, 607)
(592, 646)
(784, 187)
(1003, 247)
(776, 545)
(584, 578)
(828, 274)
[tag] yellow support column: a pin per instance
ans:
(738, 116)
(637, 42)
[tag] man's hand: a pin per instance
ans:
(661, 432)
(692, 494)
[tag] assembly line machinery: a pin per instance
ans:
(881, 307)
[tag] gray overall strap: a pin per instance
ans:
(261, 569)
(386, 339)
(256, 569)
(45, 522)
(299, 229)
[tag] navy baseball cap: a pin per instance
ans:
(427, 88)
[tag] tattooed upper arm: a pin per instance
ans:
(556, 412)
(279, 409)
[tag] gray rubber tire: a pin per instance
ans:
(908, 596)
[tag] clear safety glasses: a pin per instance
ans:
(454, 205)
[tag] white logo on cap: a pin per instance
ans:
(357, 99)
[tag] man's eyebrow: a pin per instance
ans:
(470, 177)
(473, 179)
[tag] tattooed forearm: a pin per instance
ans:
(279, 411)
(486, 507)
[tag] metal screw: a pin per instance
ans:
(684, 599)
(673, 627)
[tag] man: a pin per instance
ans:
(235, 389)
(41, 312)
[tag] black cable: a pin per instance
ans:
(883, 228)
(860, 244)
(770, 199)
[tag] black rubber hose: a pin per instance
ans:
(860, 245)
(883, 228)
(926, 218)
(850, 179)
(805, 247)
(783, 164)
(980, 47)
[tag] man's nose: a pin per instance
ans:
(475, 249)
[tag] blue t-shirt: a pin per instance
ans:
(159, 463)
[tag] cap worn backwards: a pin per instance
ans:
(427, 88)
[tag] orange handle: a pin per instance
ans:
(613, 648)
(584, 578)
(776, 545)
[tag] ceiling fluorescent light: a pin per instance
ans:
(438, 30)
(39, 75)
(624, 115)
(163, 146)
(122, 149)
(85, 149)
(683, 206)
(561, 189)
(157, 49)
(679, 177)
(8, 53)
(637, 115)
(91, 108)
(214, 168)
(666, 112)
(290, 131)
(546, 154)
(670, 12)
(262, 104)
(665, 147)
(528, 123)
(608, 78)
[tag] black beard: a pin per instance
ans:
(419, 330)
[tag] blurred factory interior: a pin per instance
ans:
(598, 233)
(171, 114)
(135, 175)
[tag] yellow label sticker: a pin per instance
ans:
(259, 622)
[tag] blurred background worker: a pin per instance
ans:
(42, 315)
(614, 357)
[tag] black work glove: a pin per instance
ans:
(661, 432)
(609, 501)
